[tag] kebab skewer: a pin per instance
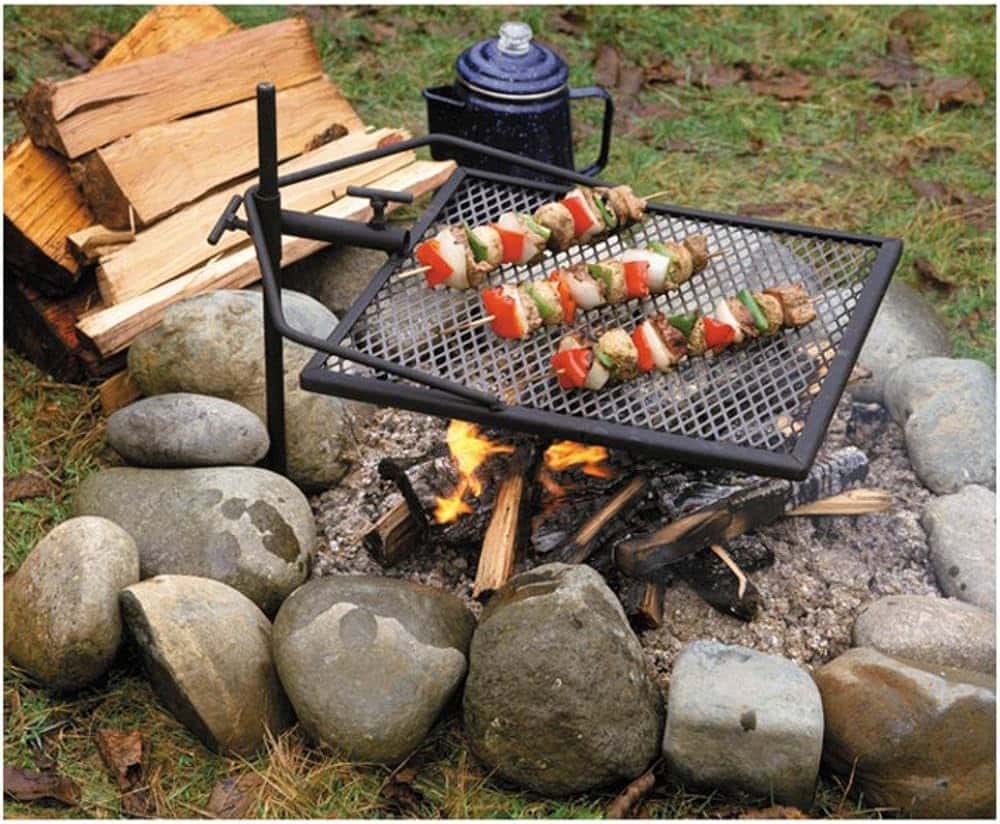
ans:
(661, 342)
(517, 310)
(460, 256)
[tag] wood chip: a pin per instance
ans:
(632, 796)
(31, 785)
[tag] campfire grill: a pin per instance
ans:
(763, 408)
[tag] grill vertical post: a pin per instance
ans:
(267, 199)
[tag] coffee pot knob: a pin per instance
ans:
(515, 38)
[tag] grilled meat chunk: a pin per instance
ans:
(619, 354)
(696, 340)
(628, 208)
(612, 274)
(697, 246)
(490, 239)
(796, 305)
(683, 266)
(475, 273)
(673, 338)
(743, 317)
(559, 220)
(771, 307)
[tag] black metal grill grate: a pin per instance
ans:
(758, 397)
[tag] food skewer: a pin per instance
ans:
(460, 257)
(660, 342)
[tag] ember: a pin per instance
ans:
(469, 450)
(563, 455)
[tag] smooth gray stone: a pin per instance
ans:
(244, 526)
(207, 650)
(906, 328)
(184, 430)
(370, 663)
(213, 344)
(335, 276)
(921, 740)
(929, 630)
(947, 408)
(61, 620)
(559, 698)
(740, 719)
(961, 530)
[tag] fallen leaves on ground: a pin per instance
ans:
(910, 21)
(632, 796)
(776, 811)
(882, 101)
(32, 785)
(773, 209)
(929, 275)
(791, 85)
(98, 42)
(890, 72)
(570, 21)
(957, 90)
(665, 72)
(123, 754)
(235, 797)
(932, 190)
(74, 57)
(898, 46)
(716, 76)
(607, 64)
(401, 795)
(29, 485)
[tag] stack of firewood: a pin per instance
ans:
(124, 170)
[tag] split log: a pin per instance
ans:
(140, 172)
(42, 204)
(506, 527)
(90, 244)
(179, 243)
(643, 603)
(83, 113)
(716, 583)
(584, 542)
(112, 329)
(394, 537)
(852, 502)
(734, 513)
(117, 392)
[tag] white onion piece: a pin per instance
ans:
(587, 294)
(724, 314)
(511, 222)
(454, 255)
(490, 238)
(656, 274)
(598, 375)
(662, 358)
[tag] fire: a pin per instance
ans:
(563, 455)
(469, 450)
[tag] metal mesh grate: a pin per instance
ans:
(756, 397)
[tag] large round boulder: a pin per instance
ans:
(559, 698)
(207, 650)
(185, 430)
(244, 526)
(213, 344)
(61, 621)
(369, 663)
(919, 740)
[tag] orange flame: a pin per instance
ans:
(563, 455)
(469, 450)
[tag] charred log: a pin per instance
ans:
(717, 584)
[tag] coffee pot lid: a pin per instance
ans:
(512, 65)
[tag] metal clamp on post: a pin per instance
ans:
(228, 221)
(379, 199)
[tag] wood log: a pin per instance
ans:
(586, 539)
(394, 536)
(643, 603)
(42, 204)
(853, 502)
(112, 329)
(179, 243)
(711, 574)
(505, 531)
(117, 392)
(83, 113)
(141, 171)
(90, 244)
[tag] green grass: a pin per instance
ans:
(747, 149)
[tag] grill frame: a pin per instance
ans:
(318, 376)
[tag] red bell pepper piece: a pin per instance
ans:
(513, 244)
(429, 254)
(718, 335)
(637, 278)
(572, 366)
(565, 296)
(582, 220)
(642, 347)
(507, 322)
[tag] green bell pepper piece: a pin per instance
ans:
(535, 227)
(547, 310)
(684, 322)
(479, 250)
(604, 359)
(607, 213)
(759, 320)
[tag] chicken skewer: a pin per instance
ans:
(660, 342)
(460, 256)
(518, 310)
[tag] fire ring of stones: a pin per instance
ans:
(588, 610)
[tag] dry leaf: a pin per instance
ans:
(75, 57)
(929, 275)
(9, 71)
(931, 190)
(777, 811)
(123, 754)
(29, 485)
(99, 41)
(329, 134)
(630, 80)
(765, 209)
(665, 72)
(31, 785)
(631, 796)
(756, 145)
(400, 794)
(883, 101)
(948, 92)
(898, 46)
(911, 21)
(570, 21)
(889, 73)
(234, 797)
(835, 167)
(716, 75)
(607, 65)
(791, 86)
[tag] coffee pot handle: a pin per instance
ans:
(609, 115)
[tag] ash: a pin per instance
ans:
(825, 569)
